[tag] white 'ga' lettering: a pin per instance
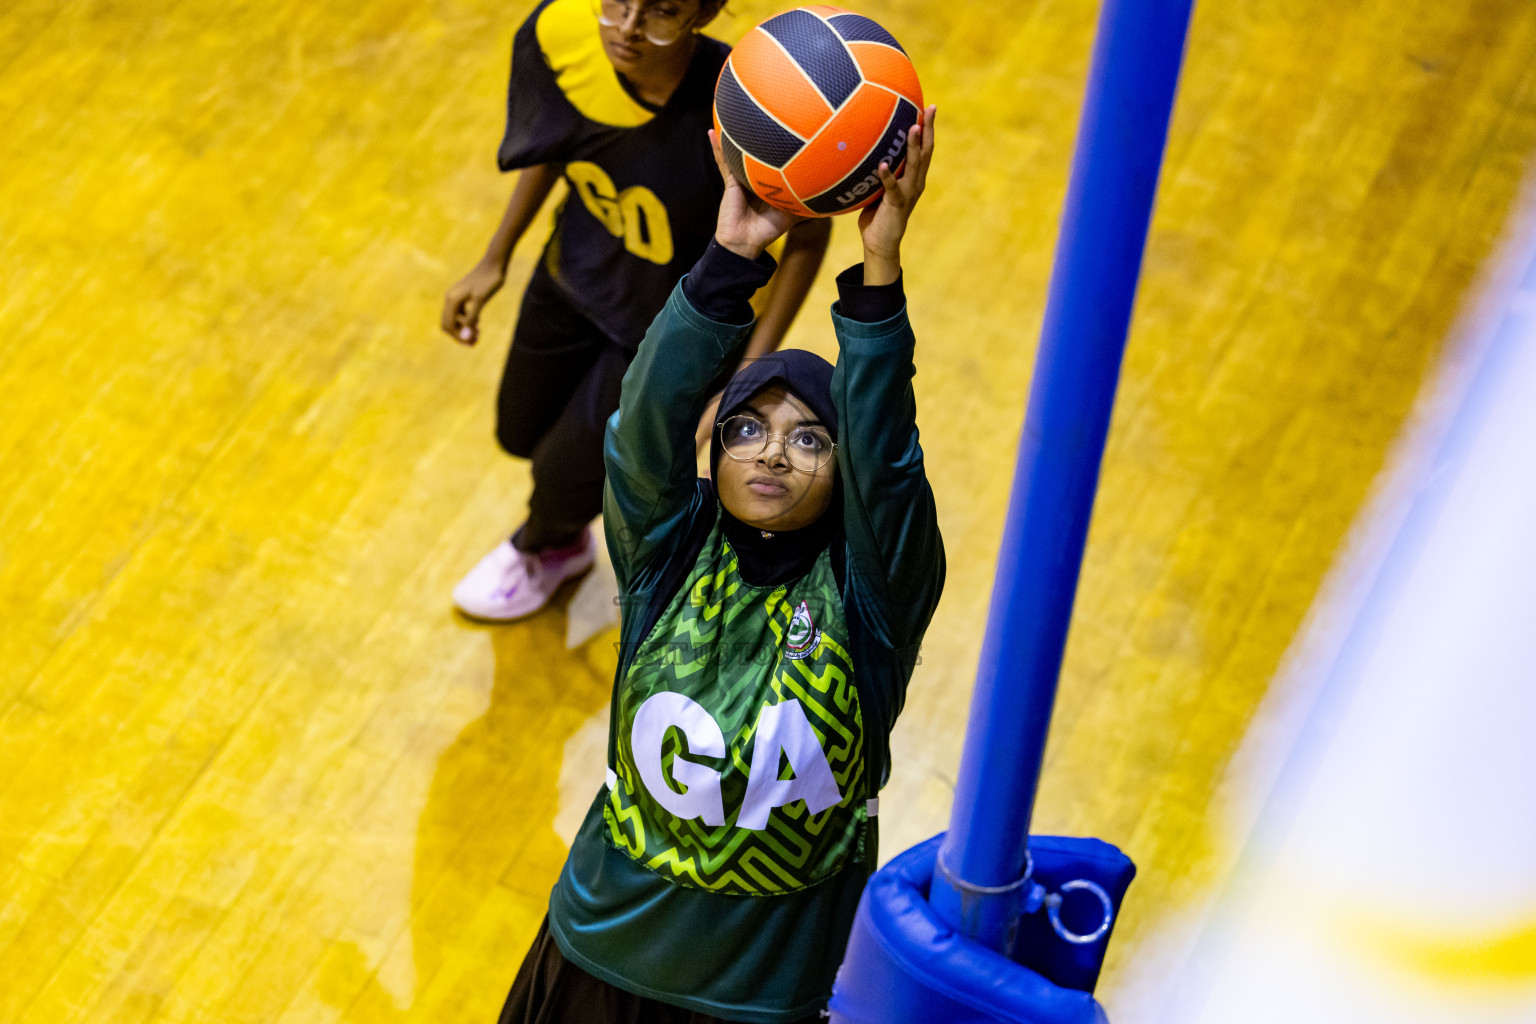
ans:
(783, 727)
(702, 798)
(783, 731)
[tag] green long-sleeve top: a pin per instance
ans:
(721, 867)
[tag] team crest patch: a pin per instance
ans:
(803, 636)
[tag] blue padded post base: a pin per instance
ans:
(906, 965)
(1058, 860)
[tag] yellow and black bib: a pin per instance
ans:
(644, 191)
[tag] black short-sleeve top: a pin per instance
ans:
(644, 189)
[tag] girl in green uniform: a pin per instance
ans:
(772, 621)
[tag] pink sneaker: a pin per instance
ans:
(508, 584)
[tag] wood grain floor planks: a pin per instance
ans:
(251, 766)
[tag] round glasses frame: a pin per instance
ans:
(663, 32)
(784, 445)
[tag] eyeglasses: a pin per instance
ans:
(663, 23)
(807, 449)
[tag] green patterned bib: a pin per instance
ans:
(740, 759)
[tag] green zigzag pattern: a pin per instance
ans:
(721, 643)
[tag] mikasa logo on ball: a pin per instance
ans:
(873, 181)
(803, 636)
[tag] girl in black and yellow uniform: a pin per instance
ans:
(615, 96)
(772, 622)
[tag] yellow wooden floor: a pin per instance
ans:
(251, 767)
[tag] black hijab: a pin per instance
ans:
(768, 558)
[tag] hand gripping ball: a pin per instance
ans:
(810, 103)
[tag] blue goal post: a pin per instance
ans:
(987, 923)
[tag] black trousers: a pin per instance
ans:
(560, 386)
(551, 990)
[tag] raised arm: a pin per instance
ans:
(895, 552)
(648, 447)
(896, 557)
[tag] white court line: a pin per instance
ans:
(1385, 798)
